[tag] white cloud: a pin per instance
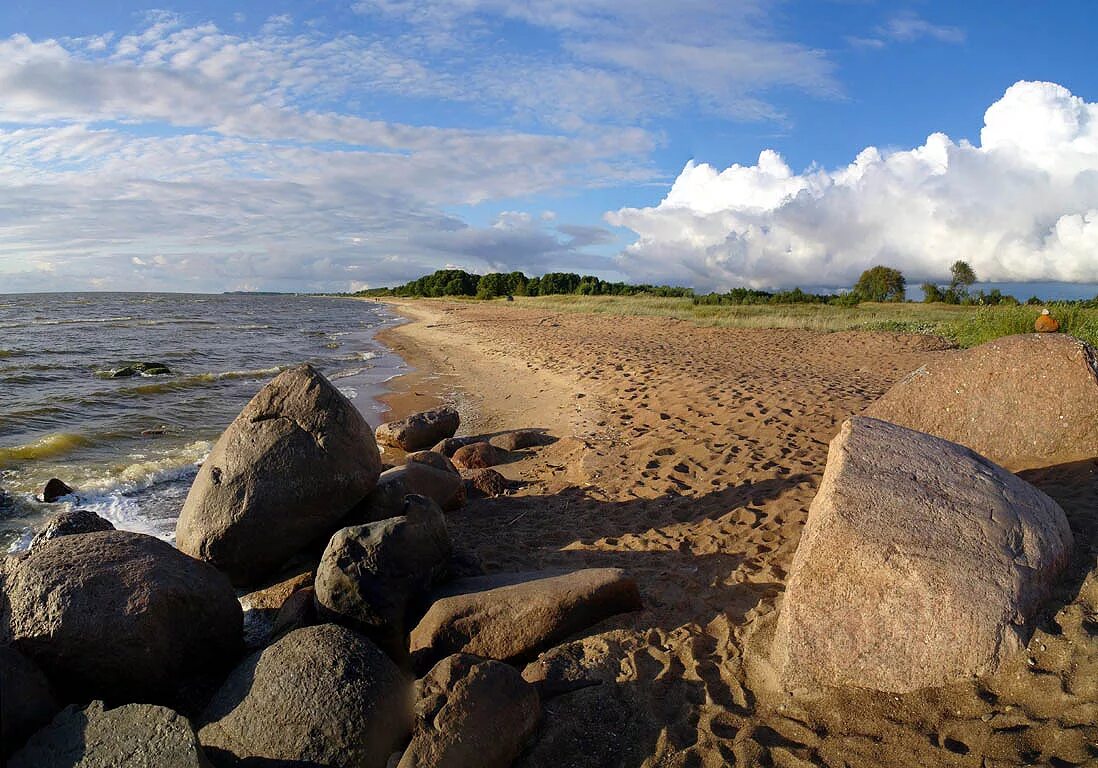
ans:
(1021, 206)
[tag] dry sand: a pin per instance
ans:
(689, 456)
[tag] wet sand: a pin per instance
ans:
(689, 456)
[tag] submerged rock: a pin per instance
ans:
(1022, 401)
(369, 574)
(510, 616)
(921, 563)
(119, 615)
(320, 695)
(71, 523)
(471, 713)
(288, 469)
(55, 489)
(143, 369)
(131, 735)
(420, 430)
(26, 702)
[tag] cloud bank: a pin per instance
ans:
(1022, 206)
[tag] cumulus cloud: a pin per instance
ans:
(1020, 206)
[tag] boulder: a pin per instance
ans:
(517, 440)
(425, 474)
(132, 735)
(295, 461)
(450, 444)
(69, 523)
(144, 369)
(1046, 323)
(477, 456)
(321, 695)
(54, 490)
(369, 574)
(298, 611)
(262, 607)
(921, 563)
(438, 478)
(1022, 401)
(119, 615)
(485, 482)
(511, 616)
(471, 713)
(26, 702)
(420, 430)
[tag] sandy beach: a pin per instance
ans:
(689, 457)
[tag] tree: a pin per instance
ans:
(881, 284)
(963, 277)
(932, 293)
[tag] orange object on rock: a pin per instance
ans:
(1046, 323)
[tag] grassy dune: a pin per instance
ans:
(965, 326)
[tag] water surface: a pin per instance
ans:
(131, 446)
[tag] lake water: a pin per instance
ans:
(131, 446)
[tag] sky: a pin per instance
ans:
(318, 145)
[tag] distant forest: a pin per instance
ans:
(879, 284)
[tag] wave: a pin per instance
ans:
(4, 353)
(177, 383)
(361, 356)
(57, 444)
(347, 373)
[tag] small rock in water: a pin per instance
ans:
(54, 490)
(144, 369)
(70, 523)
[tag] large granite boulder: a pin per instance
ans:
(510, 616)
(119, 615)
(26, 702)
(420, 430)
(921, 563)
(369, 574)
(293, 463)
(471, 713)
(321, 695)
(70, 523)
(137, 735)
(1022, 401)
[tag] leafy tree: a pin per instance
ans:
(932, 293)
(962, 277)
(881, 284)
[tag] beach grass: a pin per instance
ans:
(965, 326)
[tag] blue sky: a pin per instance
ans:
(329, 145)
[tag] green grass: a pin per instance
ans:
(965, 326)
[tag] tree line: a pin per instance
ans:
(876, 284)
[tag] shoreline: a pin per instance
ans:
(688, 457)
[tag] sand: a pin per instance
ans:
(689, 457)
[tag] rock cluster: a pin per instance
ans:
(420, 430)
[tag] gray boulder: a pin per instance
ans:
(69, 523)
(119, 615)
(1024, 401)
(471, 713)
(134, 735)
(921, 563)
(425, 474)
(369, 575)
(321, 695)
(448, 445)
(26, 702)
(511, 616)
(295, 461)
(420, 430)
